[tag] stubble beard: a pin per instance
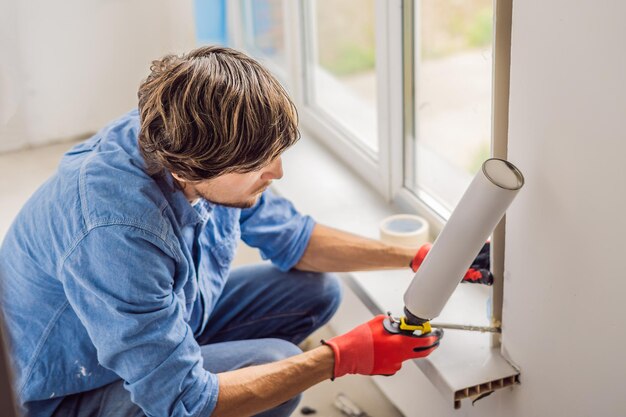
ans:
(233, 204)
(237, 204)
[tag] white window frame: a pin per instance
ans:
(404, 196)
(384, 171)
(371, 166)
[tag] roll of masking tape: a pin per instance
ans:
(404, 230)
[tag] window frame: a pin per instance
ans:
(394, 68)
(372, 167)
(406, 195)
(403, 197)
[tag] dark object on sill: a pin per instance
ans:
(481, 396)
(476, 391)
(307, 410)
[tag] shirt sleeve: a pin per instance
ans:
(120, 282)
(277, 229)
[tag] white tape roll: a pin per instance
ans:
(404, 230)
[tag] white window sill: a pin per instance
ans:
(319, 185)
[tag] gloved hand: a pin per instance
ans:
(369, 349)
(478, 273)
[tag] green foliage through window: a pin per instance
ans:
(351, 59)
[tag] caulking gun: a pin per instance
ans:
(480, 209)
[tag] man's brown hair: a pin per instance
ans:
(213, 111)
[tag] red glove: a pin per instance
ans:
(478, 273)
(369, 349)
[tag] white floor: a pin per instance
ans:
(23, 171)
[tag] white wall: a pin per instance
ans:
(564, 318)
(565, 280)
(69, 67)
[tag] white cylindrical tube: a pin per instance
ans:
(482, 206)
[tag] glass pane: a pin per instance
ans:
(452, 103)
(265, 28)
(341, 65)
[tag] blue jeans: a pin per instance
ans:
(260, 317)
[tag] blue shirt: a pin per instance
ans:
(108, 273)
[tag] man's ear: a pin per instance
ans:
(179, 181)
(178, 178)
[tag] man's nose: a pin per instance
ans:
(274, 170)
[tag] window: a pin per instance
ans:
(449, 131)
(400, 90)
(340, 67)
(264, 32)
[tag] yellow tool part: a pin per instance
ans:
(424, 327)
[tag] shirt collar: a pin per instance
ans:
(204, 209)
(183, 210)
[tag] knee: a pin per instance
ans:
(332, 284)
(329, 295)
(274, 350)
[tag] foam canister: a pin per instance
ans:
(480, 209)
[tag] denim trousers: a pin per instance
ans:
(260, 317)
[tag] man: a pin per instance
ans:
(117, 289)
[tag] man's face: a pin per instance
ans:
(240, 190)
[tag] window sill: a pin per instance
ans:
(466, 365)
